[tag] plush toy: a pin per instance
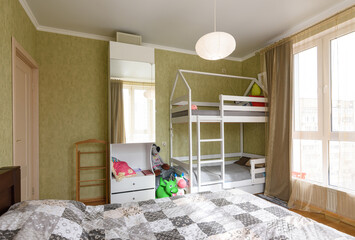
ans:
(120, 169)
(194, 107)
(166, 188)
(157, 162)
(255, 90)
(181, 183)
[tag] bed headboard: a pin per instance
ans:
(10, 187)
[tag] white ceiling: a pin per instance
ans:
(180, 23)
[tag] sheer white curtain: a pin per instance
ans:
(323, 119)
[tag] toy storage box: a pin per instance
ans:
(139, 187)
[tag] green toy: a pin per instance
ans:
(166, 188)
(255, 90)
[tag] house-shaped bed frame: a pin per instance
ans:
(227, 111)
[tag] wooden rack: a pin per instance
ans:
(91, 182)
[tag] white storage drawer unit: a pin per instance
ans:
(139, 182)
(134, 196)
(137, 188)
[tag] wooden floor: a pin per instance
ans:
(331, 222)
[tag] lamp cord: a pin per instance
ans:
(215, 18)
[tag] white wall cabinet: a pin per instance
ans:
(139, 187)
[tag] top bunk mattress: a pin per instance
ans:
(217, 113)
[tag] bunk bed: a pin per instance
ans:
(212, 172)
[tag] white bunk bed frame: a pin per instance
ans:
(183, 103)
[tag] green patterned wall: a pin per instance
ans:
(254, 133)
(73, 97)
(13, 22)
(73, 106)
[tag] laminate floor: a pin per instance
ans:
(331, 222)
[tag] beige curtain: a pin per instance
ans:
(278, 72)
(117, 113)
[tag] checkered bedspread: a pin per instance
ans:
(231, 214)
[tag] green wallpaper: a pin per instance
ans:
(73, 97)
(251, 66)
(73, 106)
(13, 22)
(254, 133)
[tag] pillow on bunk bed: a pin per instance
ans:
(242, 161)
(258, 165)
(245, 161)
(120, 169)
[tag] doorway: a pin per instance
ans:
(25, 120)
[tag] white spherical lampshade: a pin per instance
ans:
(215, 45)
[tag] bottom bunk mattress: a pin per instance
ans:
(233, 173)
(229, 214)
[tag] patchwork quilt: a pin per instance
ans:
(230, 214)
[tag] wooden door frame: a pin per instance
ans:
(19, 51)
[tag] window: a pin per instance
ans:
(306, 97)
(139, 112)
(323, 145)
(307, 159)
(341, 164)
(343, 83)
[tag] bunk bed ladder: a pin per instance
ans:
(199, 141)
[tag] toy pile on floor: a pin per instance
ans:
(175, 186)
(167, 183)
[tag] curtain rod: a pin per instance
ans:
(138, 80)
(346, 11)
(133, 83)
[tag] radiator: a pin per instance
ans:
(331, 200)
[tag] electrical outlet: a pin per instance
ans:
(224, 70)
(163, 143)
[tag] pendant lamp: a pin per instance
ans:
(215, 45)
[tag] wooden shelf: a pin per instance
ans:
(94, 201)
(92, 168)
(92, 152)
(93, 180)
(81, 167)
(92, 185)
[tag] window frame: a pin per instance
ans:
(325, 134)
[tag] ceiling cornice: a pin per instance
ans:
(303, 25)
(74, 33)
(248, 56)
(29, 13)
(100, 37)
(180, 50)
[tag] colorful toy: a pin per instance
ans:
(157, 161)
(166, 188)
(120, 169)
(255, 90)
(193, 107)
(181, 183)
